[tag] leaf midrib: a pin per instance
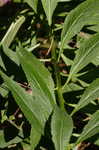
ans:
(42, 90)
(92, 92)
(86, 54)
(61, 133)
(88, 131)
(14, 90)
(69, 30)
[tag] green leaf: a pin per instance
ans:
(42, 98)
(61, 127)
(33, 4)
(4, 143)
(17, 1)
(97, 142)
(95, 61)
(3, 92)
(12, 31)
(94, 28)
(66, 60)
(2, 63)
(34, 138)
(85, 55)
(64, 0)
(71, 87)
(42, 89)
(26, 102)
(49, 7)
(86, 13)
(90, 94)
(38, 77)
(25, 145)
(91, 128)
(11, 54)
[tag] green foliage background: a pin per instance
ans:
(49, 75)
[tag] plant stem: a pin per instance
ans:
(59, 91)
(57, 75)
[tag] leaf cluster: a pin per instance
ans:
(49, 76)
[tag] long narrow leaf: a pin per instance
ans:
(86, 13)
(15, 140)
(38, 77)
(11, 54)
(90, 129)
(2, 63)
(85, 55)
(91, 93)
(26, 103)
(34, 138)
(12, 31)
(64, 0)
(42, 88)
(62, 127)
(32, 4)
(49, 7)
(38, 106)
